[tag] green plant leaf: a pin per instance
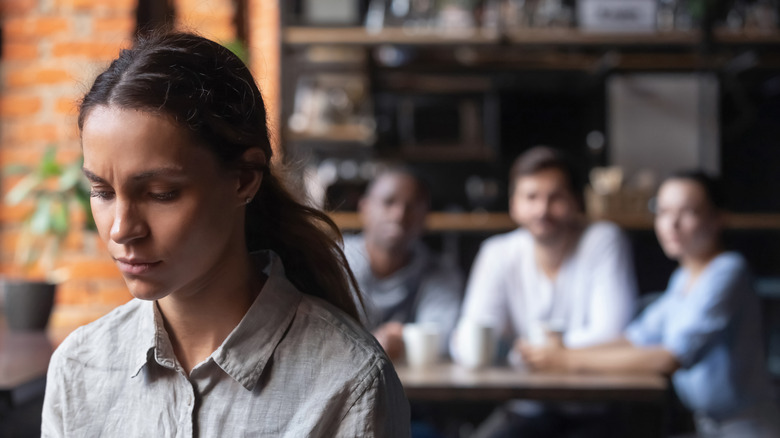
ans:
(23, 189)
(70, 176)
(16, 169)
(40, 221)
(60, 222)
(49, 166)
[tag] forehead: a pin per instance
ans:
(394, 184)
(545, 179)
(682, 192)
(131, 140)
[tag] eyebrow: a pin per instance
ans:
(142, 176)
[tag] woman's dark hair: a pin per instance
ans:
(712, 186)
(211, 93)
(540, 158)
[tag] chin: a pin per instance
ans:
(145, 292)
(673, 253)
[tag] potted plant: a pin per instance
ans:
(56, 191)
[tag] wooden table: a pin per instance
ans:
(459, 396)
(24, 359)
(449, 382)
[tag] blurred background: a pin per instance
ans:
(631, 89)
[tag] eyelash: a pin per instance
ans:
(100, 194)
(165, 196)
(106, 195)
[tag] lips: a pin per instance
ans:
(134, 266)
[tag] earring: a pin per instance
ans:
(248, 200)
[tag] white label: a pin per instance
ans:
(617, 15)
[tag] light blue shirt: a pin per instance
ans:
(714, 331)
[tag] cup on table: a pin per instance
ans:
(421, 342)
(475, 344)
(541, 333)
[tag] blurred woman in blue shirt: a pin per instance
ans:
(705, 331)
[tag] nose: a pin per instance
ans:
(398, 211)
(128, 224)
(542, 206)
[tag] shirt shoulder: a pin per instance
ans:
(602, 231)
(502, 245)
(338, 335)
(732, 262)
(101, 342)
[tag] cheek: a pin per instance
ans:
(104, 218)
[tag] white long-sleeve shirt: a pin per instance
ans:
(591, 299)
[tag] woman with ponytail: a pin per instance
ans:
(243, 321)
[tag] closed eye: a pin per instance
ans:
(164, 196)
(101, 194)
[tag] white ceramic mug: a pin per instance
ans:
(421, 343)
(539, 333)
(476, 344)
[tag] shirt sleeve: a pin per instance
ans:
(440, 300)
(382, 410)
(54, 401)
(612, 297)
(647, 329)
(713, 301)
(486, 292)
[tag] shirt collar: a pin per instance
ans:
(152, 338)
(248, 348)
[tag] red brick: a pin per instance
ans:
(121, 25)
(67, 105)
(19, 106)
(9, 8)
(86, 269)
(20, 51)
(86, 49)
(27, 132)
(26, 28)
(37, 76)
(98, 5)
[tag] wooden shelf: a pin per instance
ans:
(571, 37)
(727, 36)
(565, 37)
(360, 37)
(493, 222)
(342, 134)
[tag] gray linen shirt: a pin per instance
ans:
(294, 366)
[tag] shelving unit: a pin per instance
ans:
(359, 36)
(484, 63)
(438, 222)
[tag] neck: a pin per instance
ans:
(695, 264)
(550, 255)
(385, 262)
(200, 319)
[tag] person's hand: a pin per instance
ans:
(390, 337)
(551, 357)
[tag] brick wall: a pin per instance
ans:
(52, 50)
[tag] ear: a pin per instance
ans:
(250, 175)
(513, 214)
(362, 205)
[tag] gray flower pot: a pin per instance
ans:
(28, 304)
